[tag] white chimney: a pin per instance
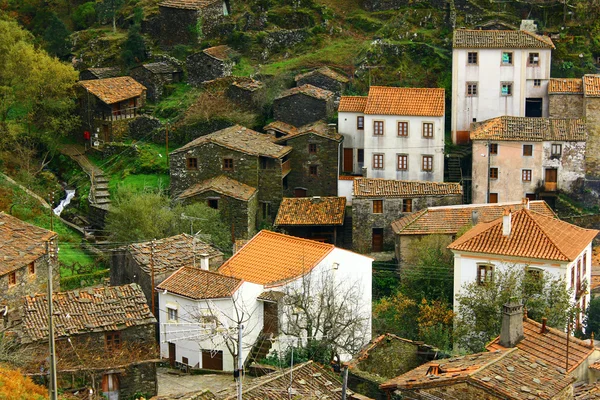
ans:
(475, 217)
(525, 203)
(506, 222)
(204, 261)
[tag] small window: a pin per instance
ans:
(377, 206)
(573, 277)
(403, 128)
(12, 279)
(427, 130)
(526, 175)
(506, 88)
(507, 58)
(313, 170)
(472, 58)
(377, 161)
(556, 150)
(266, 209)
(534, 58)
(493, 148)
(378, 128)
(427, 163)
(213, 203)
(494, 173)
(471, 89)
(264, 163)
(535, 273)
(113, 340)
(402, 162)
(192, 163)
(527, 149)
(407, 205)
(360, 155)
(493, 198)
(172, 314)
(537, 82)
(31, 268)
(485, 273)
(228, 164)
(312, 148)
(360, 122)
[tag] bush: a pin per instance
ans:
(78, 281)
(84, 16)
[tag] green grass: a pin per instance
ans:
(180, 99)
(243, 68)
(140, 182)
(72, 254)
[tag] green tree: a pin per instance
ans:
(107, 10)
(57, 38)
(84, 15)
(134, 48)
(591, 321)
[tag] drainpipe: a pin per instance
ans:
(488, 171)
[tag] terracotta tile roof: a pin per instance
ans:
(530, 129)
(591, 85)
(311, 211)
(271, 295)
(308, 90)
(450, 219)
(114, 90)
(595, 366)
(162, 67)
(318, 128)
(223, 185)
(348, 177)
(377, 187)
(494, 39)
(222, 52)
(270, 257)
(586, 391)
(102, 73)
(187, 4)
(405, 101)
(565, 86)
(196, 283)
(549, 347)
(532, 235)
(20, 243)
(353, 104)
(325, 71)
(98, 309)
(240, 139)
(171, 253)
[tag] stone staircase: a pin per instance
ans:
(454, 171)
(260, 349)
(99, 190)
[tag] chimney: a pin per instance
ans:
(316, 199)
(511, 332)
(332, 129)
(506, 222)
(528, 25)
(544, 321)
(204, 261)
(525, 202)
(363, 172)
(474, 217)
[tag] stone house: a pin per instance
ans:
(246, 92)
(324, 78)
(386, 357)
(242, 155)
(526, 239)
(507, 70)
(209, 64)
(303, 105)
(315, 159)
(188, 21)
(377, 203)
(516, 157)
(106, 106)
(316, 218)
(99, 73)
(392, 135)
(154, 76)
(26, 252)
(136, 262)
(105, 340)
(565, 98)
(448, 221)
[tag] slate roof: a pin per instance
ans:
(450, 219)
(223, 185)
(378, 187)
(271, 295)
(197, 284)
(308, 90)
(509, 374)
(20, 243)
(325, 71)
(162, 67)
(240, 139)
(530, 129)
(532, 235)
(383, 100)
(187, 4)
(222, 52)
(270, 257)
(318, 128)
(565, 86)
(100, 309)
(107, 72)
(549, 347)
(353, 104)
(248, 84)
(114, 90)
(497, 39)
(302, 211)
(591, 85)
(171, 253)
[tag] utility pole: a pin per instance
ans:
(152, 244)
(52, 386)
(240, 361)
(51, 211)
(345, 384)
(291, 375)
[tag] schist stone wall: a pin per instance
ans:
(245, 97)
(201, 68)
(300, 109)
(180, 26)
(155, 83)
(566, 106)
(592, 153)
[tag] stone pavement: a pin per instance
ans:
(169, 383)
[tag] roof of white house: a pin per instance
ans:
(499, 39)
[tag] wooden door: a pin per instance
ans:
(110, 386)
(212, 360)
(105, 135)
(172, 355)
(551, 177)
(270, 318)
(377, 240)
(348, 161)
(493, 198)
(299, 192)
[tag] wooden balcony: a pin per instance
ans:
(115, 115)
(286, 167)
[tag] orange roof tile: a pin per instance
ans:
(496, 39)
(377, 187)
(325, 71)
(450, 219)
(196, 283)
(222, 52)
(311, 211)
(405, 101)
(532, 235)
(220, 184)
(348, 177)
(565, 86)
(114, 90)
(591, 85)
(586, 391)
(353, 104)
(308, 90)
(530, 129)
(187, 4)
(550, 347)
(270, 257)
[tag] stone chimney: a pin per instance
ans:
(512, 324)
(474, 217)
(315, 199)
(525, 202)
(204, 261)
(363, 172)
(506, 222)
(528, 25)
(332, 129)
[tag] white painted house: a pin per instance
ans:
(200, 310)
(497, 73)
(395, 133)
(524, 238)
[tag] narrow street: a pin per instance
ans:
(169, 383)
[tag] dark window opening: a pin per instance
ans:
(192, 163)
(533, 107)
(213, 203)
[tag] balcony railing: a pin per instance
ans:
(550, 186)
(115, 115)
(286, 167)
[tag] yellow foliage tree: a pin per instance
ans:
(14, 386)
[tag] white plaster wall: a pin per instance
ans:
(346, 189)
(353, 138)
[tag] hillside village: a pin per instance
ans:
(312, 199)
